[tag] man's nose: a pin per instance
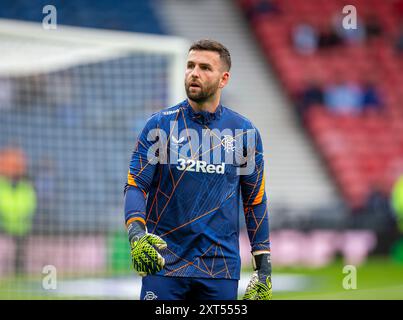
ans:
(195, 72)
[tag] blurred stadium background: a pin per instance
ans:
(327, 101)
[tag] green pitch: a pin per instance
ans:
(379, 278)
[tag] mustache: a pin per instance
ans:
(191, 82)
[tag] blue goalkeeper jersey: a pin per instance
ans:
(190, 175)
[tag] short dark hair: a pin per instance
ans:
(212, 45)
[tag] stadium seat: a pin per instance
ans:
(369, 142)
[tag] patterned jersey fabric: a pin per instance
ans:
(190, 176)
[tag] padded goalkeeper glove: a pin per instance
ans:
(259, 287)
(143, 249)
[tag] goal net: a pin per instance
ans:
(72, 102)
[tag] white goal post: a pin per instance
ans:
(27, 47)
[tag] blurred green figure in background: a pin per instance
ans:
(397, 205)
(17, 202)
(397, 202)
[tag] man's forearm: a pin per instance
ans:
(144, 246)
(135, 205)
(257, 223)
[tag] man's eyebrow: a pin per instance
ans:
(204, 64)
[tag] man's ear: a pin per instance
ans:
(224, 79)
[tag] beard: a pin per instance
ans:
(203, 93)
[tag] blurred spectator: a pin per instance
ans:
(371, 99)
(399, 40)
(343, 96)
(263, 7)
(397, 201)
(311, 94)
(373, 27)
(305, 38)
(378, 202)
(328, 38)
(354, 36)
(17, 201)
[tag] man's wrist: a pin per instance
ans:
(135, 230)
(262, 261)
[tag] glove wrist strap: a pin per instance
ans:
(136, 230)
(262, 262)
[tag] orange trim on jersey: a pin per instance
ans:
(130, 179)
(131, 182)
(260, 194)
(135, 219)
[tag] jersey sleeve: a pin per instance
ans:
(140, 175)
(255, 201)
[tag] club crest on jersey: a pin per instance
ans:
(228, 142)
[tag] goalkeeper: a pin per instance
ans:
(182, 207)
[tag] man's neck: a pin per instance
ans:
(209, 106)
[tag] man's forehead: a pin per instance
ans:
(204, 56)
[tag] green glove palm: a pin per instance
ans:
(260, 286)
(144, 250)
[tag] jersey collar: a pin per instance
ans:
(203, 117)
